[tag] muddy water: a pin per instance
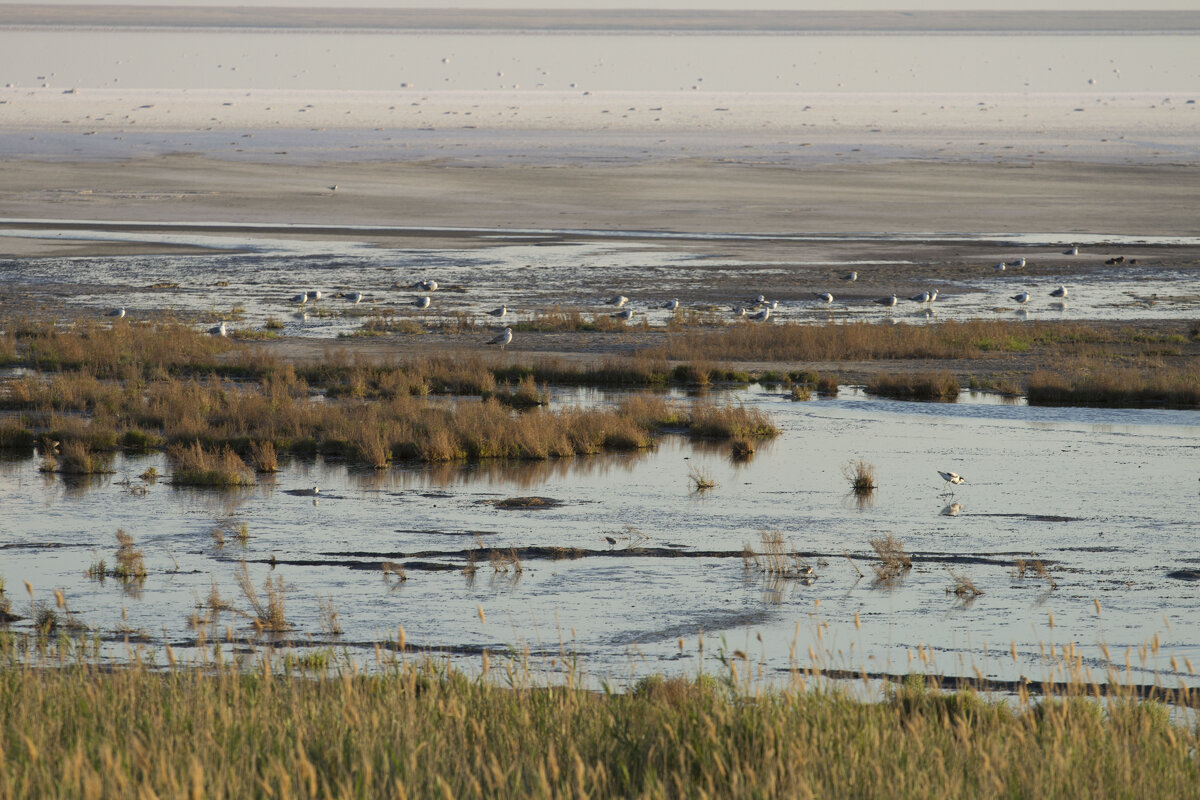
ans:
(255, 277)
(1107, 499)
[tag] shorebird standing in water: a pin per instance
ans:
(117, 313)
(1061, 291)
(503, 339)
(422, 302)
(624, 313)
(888, 301)
(499, 313)
(825, 298)
(671, 305)
(951, 479)
(1021, 298)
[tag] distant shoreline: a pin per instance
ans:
(432, 20)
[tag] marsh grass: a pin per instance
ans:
(77, 458)
(894, 562)
(800, 392)
(775, 560)
(1023, 568)
(130, 561)
(263, 457)
(268, 612)
(701, 480)
(196, 466)
(1089, 382)
(938, 386)
(861, 476)
(963, 586)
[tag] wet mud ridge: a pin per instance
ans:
(420, 560)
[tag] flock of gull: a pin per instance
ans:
(757, 310)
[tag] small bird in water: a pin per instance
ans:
(923, 297)
(611, 541)
(825, 297)
(932, 295)
(952, 478)
(422, 302)
(850, 276)
(624, 313)
(1001, 267)
(499, 313)
(617, 300)
(503, 339)
(116, 312)
(219, 330)
(888, 301)
(315, 295)
(300, 299)
(762, 315)
(739, 311)
(355, 297)
(1021, 298)
(1061, 291)
(671, 305)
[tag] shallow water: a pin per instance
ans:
(259, 275)
(1108, 499)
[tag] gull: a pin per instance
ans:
(617, 300)
(923, 297)
(1022, 298)
(761, 316)
(333, 188)
(314, 295)
(354, 297)
(850, 276)
(429, 285)
(1001, 267)
(219, 330)
(952, 510)
(422, 302)
(761, 300)
(116, 312)
(671, 305)
(499, 313)
(1020, 262)
(624, 313)
(300, 299)
(952, 478)
(932, 295)
(825, 298)
(1061, 291)
(1072, 251)
(739, 311)
(887, 301)
(503, 339)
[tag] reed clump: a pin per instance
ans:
(1087, 382)
(894, 562)
(861, 476)
(196, 466)
(701, 479)
(131, 561)
(937, 386)
(267, 609)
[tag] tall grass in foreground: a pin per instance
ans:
(421, 730)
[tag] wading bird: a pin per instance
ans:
(888, 301)
(624, 313)
(1021, 298)
(952, 479)
(1061, 291)
(671, 305)
(499, 313)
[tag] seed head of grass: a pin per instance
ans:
(701, 479)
